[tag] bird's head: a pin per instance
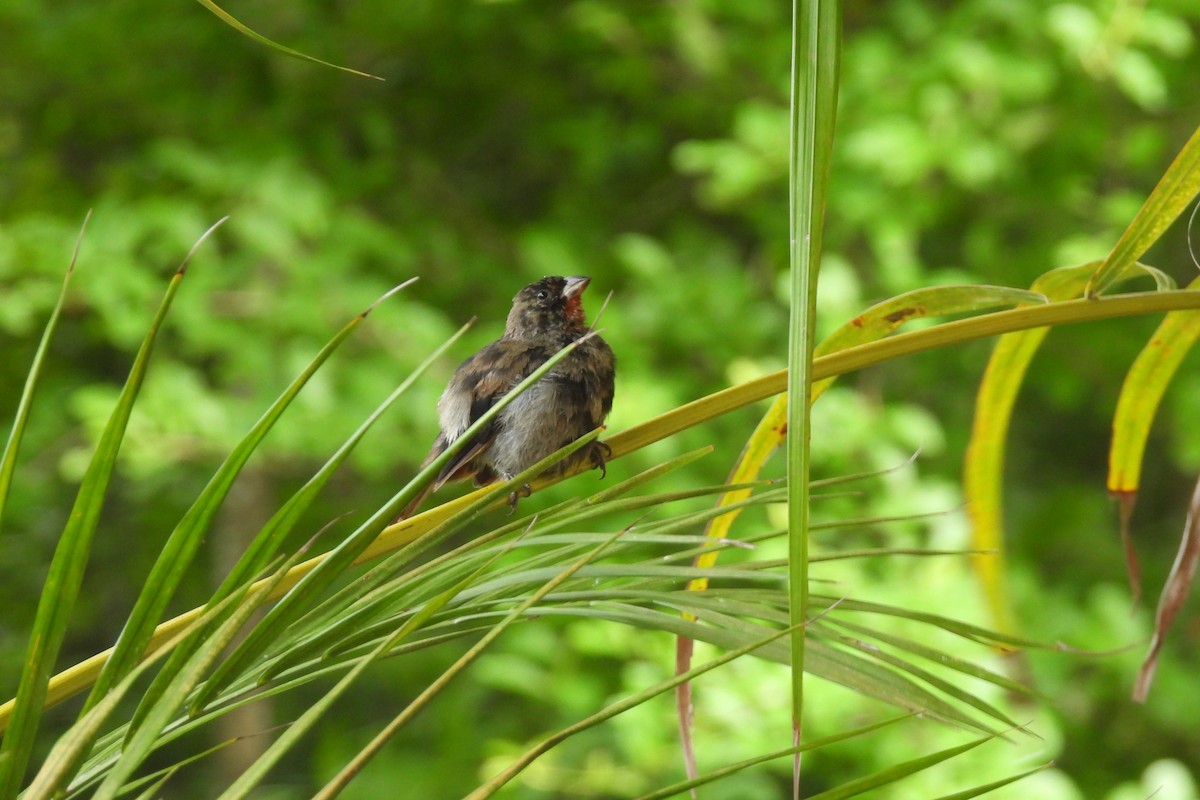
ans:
(550, 305)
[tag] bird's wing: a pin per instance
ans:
(484, 378)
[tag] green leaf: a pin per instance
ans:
(70, 560)
(270, 538)
(237, 25)
(890, 775)
(145, 738)
(882, 318)
(676, 789)
(497, 781)
(816, 52)
(185, 540)
(74, 745)
(988, 787)
(1175, 190)
(1142, 391)
(8, 460)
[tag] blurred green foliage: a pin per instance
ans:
(644, 145)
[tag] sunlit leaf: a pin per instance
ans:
(1175, 190)
(1141, 393)
(70, 560)
(8, 459)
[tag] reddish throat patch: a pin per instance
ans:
(574, 310)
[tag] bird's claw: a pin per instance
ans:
(600, 453)
(515, 496)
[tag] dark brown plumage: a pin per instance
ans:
(570, 400)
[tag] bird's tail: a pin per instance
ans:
(439, 447)
(414, 504)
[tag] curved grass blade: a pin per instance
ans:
(361, 615)
(497, 781)
(925, 676)
(937, 657)
(81, 676)
(358, 603)
(156, 780)
(966, 630)
(983, 464)
(883, 318)
(143, 740)
(493, 495)
(1137, 404)
(824, 661)
(8, 460)
(1175, 190)
(73, 746)
(694, 783)
(70, 560)
(890, 775)
(271, 537)
(251, 777)
(181, 546)
(979, 791)
(1174, 594)
(238, 26)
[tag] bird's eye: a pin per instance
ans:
(542, 295)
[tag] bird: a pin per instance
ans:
(573, 398)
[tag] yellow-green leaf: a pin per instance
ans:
(1176, 189)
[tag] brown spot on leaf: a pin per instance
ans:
(896, 317)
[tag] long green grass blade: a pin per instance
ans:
(143, 740)
(941, 684)
(358, 619)
(8, 459)
(241, 28)
(882, 318)
(938, 657)
(73, 746)
(267, 542)
(70, 560)
(816, 41)
(676, 789)
(362, 602)
(347, 773)
(1175, 190)
(183, 543)
(497, 781)
(979, 791)
(890, 775)
(270, 538)
(1142, 391)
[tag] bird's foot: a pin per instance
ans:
(515, 496)
(600, 453)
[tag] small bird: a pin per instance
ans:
(567, 402)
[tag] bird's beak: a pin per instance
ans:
(575, 286)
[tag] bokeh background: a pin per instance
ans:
(644, 145)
